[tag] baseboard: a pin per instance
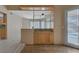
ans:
(59, 44)
(44, 44)
(19, 48)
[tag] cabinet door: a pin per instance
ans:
(42, 37)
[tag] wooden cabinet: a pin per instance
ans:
(43, 37)
(3, 34)
(29, 36)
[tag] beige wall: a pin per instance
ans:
(58, 25)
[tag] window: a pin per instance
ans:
(40, 18)
(73, 28)
(31, 24)
(48, 26)
(36, 24)
(41, 24)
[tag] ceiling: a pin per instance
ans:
(19, 7)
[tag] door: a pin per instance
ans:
(43, 37)
(72, 28)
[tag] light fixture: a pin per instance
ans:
(42, 14)
(26, 8)
(44, 8)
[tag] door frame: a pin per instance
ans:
(65, 24)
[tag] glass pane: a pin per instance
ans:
(36, 24)
(31, 24)
(43, 24)
(48, 25)
(48, 18)
(73, 27)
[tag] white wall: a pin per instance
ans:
(25, 24)
(14, 26)
(13, 34)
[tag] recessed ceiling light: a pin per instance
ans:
(44, 8)
(26, 8)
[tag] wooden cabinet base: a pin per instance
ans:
(43, 37)
(29, 36)
(3, 34)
